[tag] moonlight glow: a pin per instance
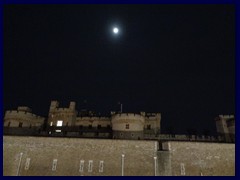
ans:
(115, 30)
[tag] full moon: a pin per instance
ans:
(115, 30)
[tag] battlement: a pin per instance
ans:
(226, 116)
(153, 114)
(17, 113)
(24, 108)
(142, 114)
(128, 115)
(64, 110)
(55, 106)
(132, 118)
(22, 118)
(93, 118)
(184, 137)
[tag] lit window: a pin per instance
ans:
(59, 123)
(51, 123)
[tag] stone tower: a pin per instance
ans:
(22, 117)
(127, 126)
(59, 117)
(226, 127)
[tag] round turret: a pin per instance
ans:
(128, 126)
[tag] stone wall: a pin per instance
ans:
(127, 135)
(76, 157)
(201, 159)
(153, 122)
(66, 115)
(27, 119)
(93, 121)
(128, 122)
(52, 156)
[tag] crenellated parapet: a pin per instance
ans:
(134, 121)
(67, 116)
(226, 116)
(128, 125)
(93, 121)
(66, 120)
(23, 117)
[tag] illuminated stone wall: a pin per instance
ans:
(22, 116)
(128, 126)
(201, 158)
(39, 156)
(66, 115)
(100, 157)
(61, 118)
(93, 121)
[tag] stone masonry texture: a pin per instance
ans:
(69, 152)
(201, 159)
(48, 156)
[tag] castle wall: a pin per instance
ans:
(76, 157)
(152, 123)
(66, 115)
(94, 121)
(128, 126)
(13, 118)
(127, 134)
(71, 154)
(198, 158)
(135, 122)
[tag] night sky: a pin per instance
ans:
(178, 60)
